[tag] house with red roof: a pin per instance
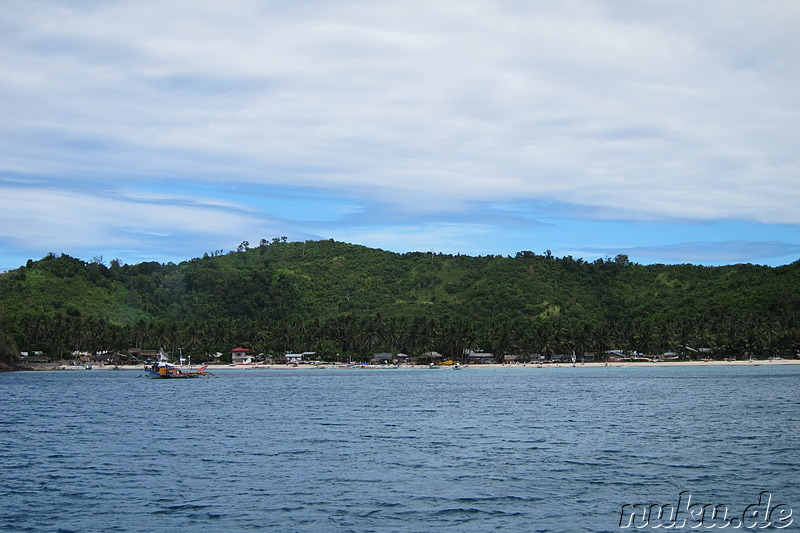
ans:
(239, 356)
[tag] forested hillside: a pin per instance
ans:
(8, 352)
(337, 298)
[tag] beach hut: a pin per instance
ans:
(293, 358)
(381, 358)
(431, 358)
(481, 358)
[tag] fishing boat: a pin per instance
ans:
(162, 369)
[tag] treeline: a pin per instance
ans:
(8, 352)
(350, 301)
(349, 337)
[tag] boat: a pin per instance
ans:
(162, 369)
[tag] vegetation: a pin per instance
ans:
(348, 301)
(8, 352)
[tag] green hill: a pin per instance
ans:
(9, 359)
(338, 298)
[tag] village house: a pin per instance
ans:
(143, 355)
(381, 358)
(239, 356)
(616, 356)
(479, 358)
(35, 357)
(105, 358)
(431, 358)
(297, 358)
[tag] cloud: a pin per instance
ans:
(622, 111)
(86, 223)
(713, 253)
(436, 237)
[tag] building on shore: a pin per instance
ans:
(239, 356)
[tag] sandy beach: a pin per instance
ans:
(323, 366)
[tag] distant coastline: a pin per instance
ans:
(349, 302)
(339, 366)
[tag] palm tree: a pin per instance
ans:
(642, 336)
(684, 332)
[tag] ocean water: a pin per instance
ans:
(529, 449)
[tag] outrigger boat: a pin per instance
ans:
(162, 369)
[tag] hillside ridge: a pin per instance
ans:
(351, 299)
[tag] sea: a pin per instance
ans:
(392, 450)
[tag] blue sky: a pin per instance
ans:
(151, 130)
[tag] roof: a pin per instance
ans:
(240, 350)
(480, 355)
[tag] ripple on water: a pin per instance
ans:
(501, 449)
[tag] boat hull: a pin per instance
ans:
(170, 372)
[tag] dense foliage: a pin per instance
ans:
(337, 298)
(8, 352)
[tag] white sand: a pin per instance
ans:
(216, 368)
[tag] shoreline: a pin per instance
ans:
(338, 366)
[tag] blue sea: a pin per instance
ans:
(482, 449)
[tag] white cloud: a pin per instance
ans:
(446, 238)
(709, 252)
(643, 111)
(86, 223)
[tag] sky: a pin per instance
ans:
(160, 130)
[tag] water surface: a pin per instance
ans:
(498, 449)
